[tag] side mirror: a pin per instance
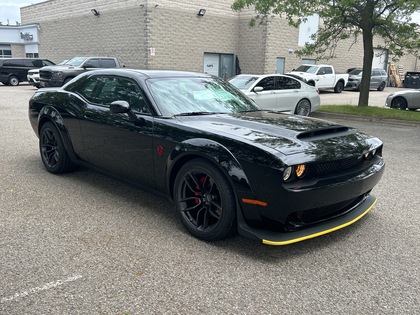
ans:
(88, 65)
(119, 107)
(258, 89)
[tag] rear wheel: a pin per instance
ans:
(205, 201)
(303, 108)
(399, 103)
(339, 87)
(381, 86)
(53, 153)
(13, 80)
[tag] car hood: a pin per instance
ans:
(58, 68)
(405, 92)
(301, 74)
(285, 134)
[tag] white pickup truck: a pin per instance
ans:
(322, 76)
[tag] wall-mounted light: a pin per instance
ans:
(95, 12)
(291, 51)
(201, 12)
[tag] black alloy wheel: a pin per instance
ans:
(303, 108)
(399, 103)
(53, 153)
(205, 201)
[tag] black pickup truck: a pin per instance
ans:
(61, 74)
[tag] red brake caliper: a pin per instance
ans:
(202, 179)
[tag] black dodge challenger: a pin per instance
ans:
(227, 165)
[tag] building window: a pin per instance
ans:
(5, 53)
(32, 55)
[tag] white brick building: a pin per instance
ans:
(168, 34)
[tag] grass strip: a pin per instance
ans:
(372, 111)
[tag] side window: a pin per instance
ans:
(105, 90)
(37, 63)
(92, 62)
(127, 90)
(107, 63)
(267, 83)
(286, 83)
(328, 70)
(91, 88)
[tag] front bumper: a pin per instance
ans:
(274, 238)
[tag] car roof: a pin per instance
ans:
(149, 73)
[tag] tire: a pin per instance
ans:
(303, 108)
(205, 201)
(13, 80)
(399, 103)
(339, 87)
(53, 153)
(381, 86)
(311, 83)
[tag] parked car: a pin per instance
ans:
(15, 70)
(409, 99)
(33, 75)
(378, 79)
(279, 92)
(226, 164)
(61, 74)
(322, 77)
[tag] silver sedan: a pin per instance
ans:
(279, 92)
(404, 99)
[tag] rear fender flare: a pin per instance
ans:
(49, 113)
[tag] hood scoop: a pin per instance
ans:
(318, 134)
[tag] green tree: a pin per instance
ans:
(344, 19)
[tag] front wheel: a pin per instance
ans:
(205, 201)
(399, 103)
(303, 108)
(13, 80)
(339, 87)
(53, 153)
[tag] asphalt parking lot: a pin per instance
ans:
(83, 243)
(348, 97)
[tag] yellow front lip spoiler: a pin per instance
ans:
(323, 232)
(270, 237)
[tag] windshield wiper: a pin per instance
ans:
(198, 113)
(250, 110)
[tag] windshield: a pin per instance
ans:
(355, 72)
(243, 82)
(177, 96)
(76, 61)
(306, 68)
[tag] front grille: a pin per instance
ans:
(312, 216)
(331, 167)
(44, 74)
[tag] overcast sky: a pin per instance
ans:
(10, 10)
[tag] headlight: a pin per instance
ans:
(58, 74)
(290, 172)
(287, 174)
(300, 170)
